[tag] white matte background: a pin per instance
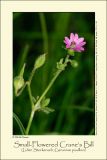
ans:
(7, 139)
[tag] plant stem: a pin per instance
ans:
(31, 101)
(44, 93)
(30, 122)
(30, 94)
(31, 76)
(48, 87)
(34, 107)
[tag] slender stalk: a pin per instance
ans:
(34, 107)
(31, 101)
(48, 87)
(31, 76)
(44, 93)
(30, 122)
(30, 94)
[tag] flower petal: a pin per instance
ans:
(76, 38)
(67, 41)
(67, 46)
(74, 42)
(72, 37)
(82, 49)
(82, 43)
(80, 40)
(77, 48)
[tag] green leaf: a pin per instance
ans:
(40, 61)
(47, 110)
(22, 129)
(61, 65)
(61, 61)
(45, 102)
(35, 99)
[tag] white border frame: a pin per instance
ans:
(98, 151)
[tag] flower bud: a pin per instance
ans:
(18, 83)
(74, 63)
(40, 61)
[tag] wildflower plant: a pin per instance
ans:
(72, 45)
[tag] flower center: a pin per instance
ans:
(73, 44)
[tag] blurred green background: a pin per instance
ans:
(72, 95)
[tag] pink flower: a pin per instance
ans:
(75, 43)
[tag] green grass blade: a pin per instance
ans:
(22, 129)
(44, 32)
(23, 56)
(82, 108)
